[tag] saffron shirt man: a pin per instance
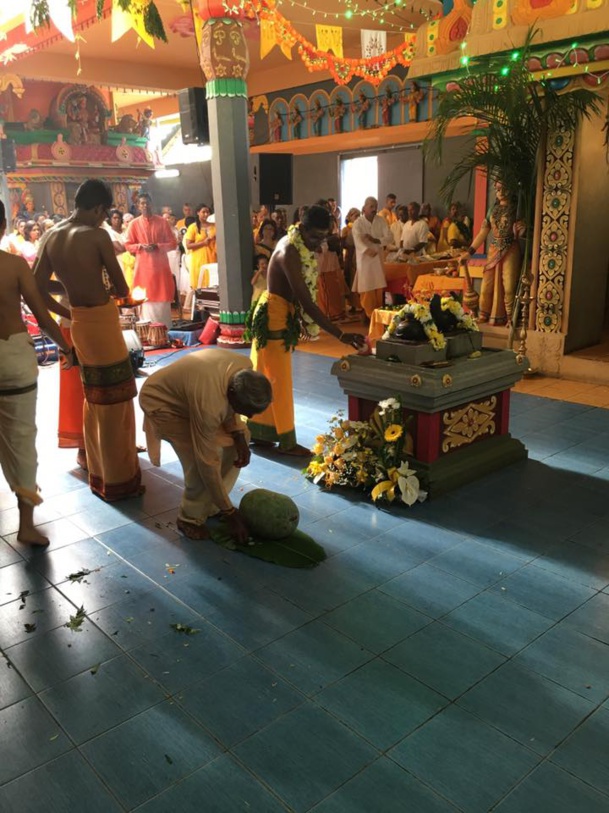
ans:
(276, 327)
(388, 213)
(150, 238)
(77, 251)
(370, 234)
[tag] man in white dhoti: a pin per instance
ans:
(370, 235)
(195, 404)
(18, 384)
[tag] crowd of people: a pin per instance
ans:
(301, 272)
(195, 404)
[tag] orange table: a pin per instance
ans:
(434, 284)
(398, 274)
(378, 322)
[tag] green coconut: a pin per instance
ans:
(269, 515)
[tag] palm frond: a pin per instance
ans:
(514, 112)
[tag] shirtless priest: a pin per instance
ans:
(18, 384)
(77, 251)
(276, 326)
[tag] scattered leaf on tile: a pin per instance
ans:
(94, 669)
(76, 620)
(79, 575)
(39, 610)
(184, 628)
(30, 627)
(169, 759)
(129, 620)
(54, 737)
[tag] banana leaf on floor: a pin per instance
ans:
(296, 550)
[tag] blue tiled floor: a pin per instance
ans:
(450, 658)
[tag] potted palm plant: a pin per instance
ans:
(515, 112)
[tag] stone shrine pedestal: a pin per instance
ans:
(459, 412)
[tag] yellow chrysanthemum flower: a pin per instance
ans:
(393, 432)
(318, 448)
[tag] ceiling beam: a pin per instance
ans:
(144, 75)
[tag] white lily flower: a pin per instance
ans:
(409, 485)
(388, 404)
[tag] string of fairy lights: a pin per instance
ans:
(394, 14)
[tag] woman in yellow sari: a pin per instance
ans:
(200, 242)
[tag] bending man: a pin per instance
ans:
(195, 404)
(77, 251)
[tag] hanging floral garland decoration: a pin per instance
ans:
(342, 69)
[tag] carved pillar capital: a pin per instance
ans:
(224, 57)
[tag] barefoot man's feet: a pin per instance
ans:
(191, 530)
(28, 533)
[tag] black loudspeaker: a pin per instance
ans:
(8, 157)
(193, 116)
(275, 174)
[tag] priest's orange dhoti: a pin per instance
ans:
(109, 389)
(71, 404)
(275, 330)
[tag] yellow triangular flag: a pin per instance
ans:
(268, 39)
(286, 48)
(330, 38)
(123, 21)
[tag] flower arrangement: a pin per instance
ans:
(465, 321)
(421, 312)
(309, 273)
(370, 455)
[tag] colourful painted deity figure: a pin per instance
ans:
(296, 118)
(361, 108)
(317, 114)
(276, 127)
(502, 270)
(387, 102)
(414, 99)
(337, 111)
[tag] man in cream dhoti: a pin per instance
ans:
(195, 404)
(18, 384)
(370, 235)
